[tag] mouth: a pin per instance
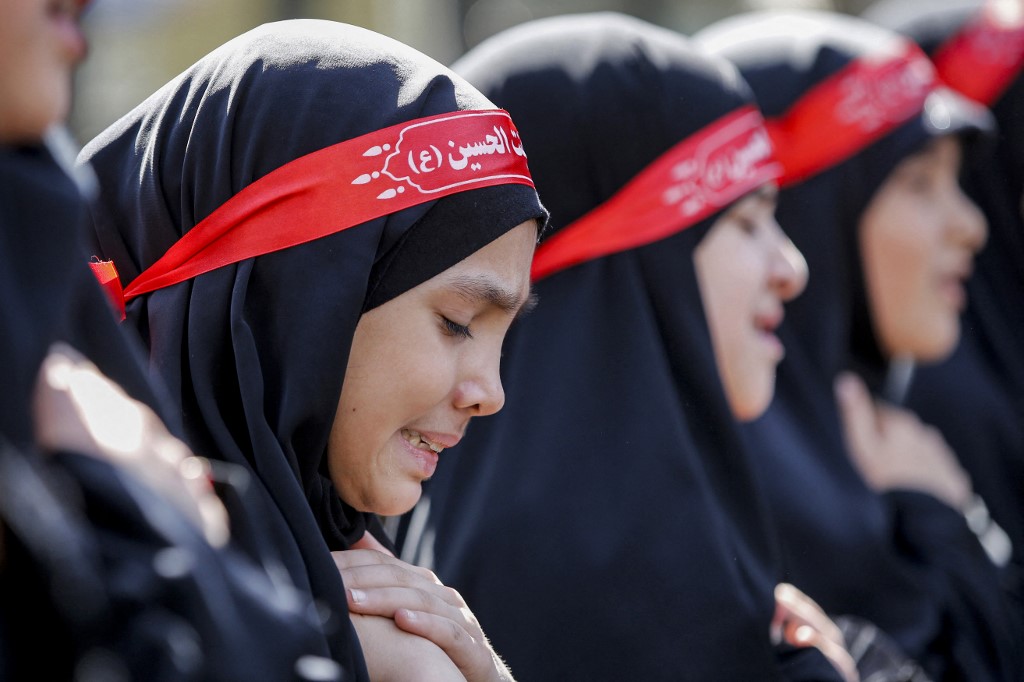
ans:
(418, 440)
(765, 325)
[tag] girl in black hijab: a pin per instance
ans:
(870, 149)
(108, 568)
(976, 397)
(323, 237)
(606, 525)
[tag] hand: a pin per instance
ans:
(394, 655)
(892, 448)
(78, 409)
(801, 622)
(381, 585)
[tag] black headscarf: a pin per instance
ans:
(109, 576)
(976, 397)
(605, 525)
(255, 352)
(903, 561)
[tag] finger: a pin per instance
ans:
(857, 411)
(392, 575)
(351, 558)
(386, 601)
(806, 611)
(470, 653)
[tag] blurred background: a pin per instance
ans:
(138, 45)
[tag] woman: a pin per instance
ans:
(605, 525)
(323, 237)
(976, 397)
(109, 554)
(871, 149)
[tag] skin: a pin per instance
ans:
(918, 238)
(426, 361)
(746, 270)
(40, 43)
(78, 409)
(893, 449)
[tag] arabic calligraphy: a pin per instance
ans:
(438, 155)
(888, 94)
(709, 177)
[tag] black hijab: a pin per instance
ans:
(605, 524)
(255, 352)
(903, 561)
(976, 397)
(100, 577)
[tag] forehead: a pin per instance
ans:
(499, 270)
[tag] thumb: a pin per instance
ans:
(857, 411)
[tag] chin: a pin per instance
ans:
(397, 504)
(937, 345)
(754, 403)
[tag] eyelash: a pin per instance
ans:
(455, 329)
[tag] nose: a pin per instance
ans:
(479, 390)
(966, 223)
(788, 272)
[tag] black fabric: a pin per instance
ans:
(255, 353)
(928, 584)
(605, 525)
(99, 577)
(976, 397)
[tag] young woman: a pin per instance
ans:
(606, 524)
(113, 562)
(871, 148)
(323, 237)
(976, 397)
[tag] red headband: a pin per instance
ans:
(851, 109)
(982, 59)
(338, 187)
(697, 177)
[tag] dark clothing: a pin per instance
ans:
(606, 525)
(100, 576)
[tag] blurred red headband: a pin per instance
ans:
(338, 187)
(691, 181)
(984, 57)
(851, 109)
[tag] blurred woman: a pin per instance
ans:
(871, 147)
(606, 524)
(976, 397)
(115, 555)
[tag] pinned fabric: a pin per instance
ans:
(259, 143)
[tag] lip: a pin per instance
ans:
(952, 290)
(765, 324)
(426, 460)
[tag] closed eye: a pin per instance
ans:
(455, 329)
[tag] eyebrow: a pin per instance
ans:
(479, 288)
